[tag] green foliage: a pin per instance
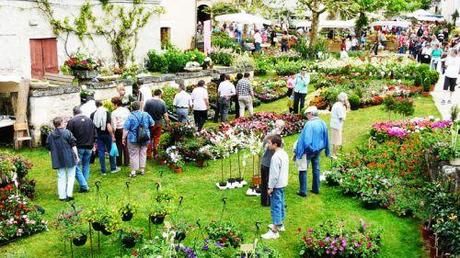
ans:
(311, 52)
(400, 105)
(222, 57)
(172, 61)
(284, 68)
(223, 40)
(221, 8)
(354, 101)
(262, 65)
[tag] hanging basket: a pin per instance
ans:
(79, 241)
(157, 219)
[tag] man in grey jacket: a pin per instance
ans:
(278, 180)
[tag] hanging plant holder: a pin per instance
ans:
(79, 241)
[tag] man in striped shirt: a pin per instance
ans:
(245, 95)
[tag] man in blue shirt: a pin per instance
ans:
(312, 140)
(300, 90)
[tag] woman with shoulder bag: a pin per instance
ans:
(136, 136)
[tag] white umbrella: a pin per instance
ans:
(244, 18)
(302, 23)
(337, 24)
(403, 24)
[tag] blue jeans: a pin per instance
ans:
(82, 169)
(314, 159)
(104, 142)
(224, 105)
(182, 114)
(277, 207)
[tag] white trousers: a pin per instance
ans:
(66, 179)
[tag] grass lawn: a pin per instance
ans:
(401, 237)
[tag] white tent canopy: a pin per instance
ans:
(403, 24)
(244, 18)
(424, 15)
(329, 24)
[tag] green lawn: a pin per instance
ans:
(401, 237)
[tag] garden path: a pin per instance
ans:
(438, 94)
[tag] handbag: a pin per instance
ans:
(142, 132)
(114, 150)
(93, 157)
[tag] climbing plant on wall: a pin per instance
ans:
(120, 24)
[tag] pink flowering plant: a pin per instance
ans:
(333, 239)
(383, 131)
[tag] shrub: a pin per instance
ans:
(354, 101)
(222, 57)
(172, 61)
(288, 68)
(223, 40)
(156, 62)
(262, 65)
(400, 105)
(244, 63)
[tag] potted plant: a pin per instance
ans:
(175, 160)
(82, 67)
(333, 177)
(127, 212)
(225, 233)
(102, 220)
(158, 213)
(69, 223)
(45, 130)
(180, 231)
(202, 155)
(130, 236)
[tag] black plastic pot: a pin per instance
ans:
(98, 226)
(105, 232)
(127, 216)
(79, 241)
(239, 179)
(128, 242)
(179, 236)
(371, 205)
(231, 180)
(157, 219)
(222, 184)
(408, 212)
(331, 182)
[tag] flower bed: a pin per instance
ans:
(392, 172)
(18, 216)
(401, 129)
(332, 239)
(269, 90)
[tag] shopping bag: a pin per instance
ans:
(93, 157)
(114, 150)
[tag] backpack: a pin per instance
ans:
(142, 132)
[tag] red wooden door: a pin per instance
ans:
(43, 55)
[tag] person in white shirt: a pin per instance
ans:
(182, 102)
(277, 182)
(225, 91)
(338, 115)
(452, 63)
(257, 40)
(89, 107)
(200, 100)
(145, 93)
(119, 116)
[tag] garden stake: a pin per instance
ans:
(150, 228)
(224, 201)
(222, 169)
(127, 189)
(230, 161)
(71, 248)
(91, 239)
(239, 166)
(98, 185)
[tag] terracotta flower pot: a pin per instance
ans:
(200, 163)
(256, 180)
(178, 170)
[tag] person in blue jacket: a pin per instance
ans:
(312, 140)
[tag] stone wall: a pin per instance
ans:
(46, 104)
(106, 90)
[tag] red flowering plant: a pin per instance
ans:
(79, 61)
(18, 217)
(332, 239)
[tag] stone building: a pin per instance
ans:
(448, 7)
(28, 46)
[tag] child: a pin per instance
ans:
(302, 166)
(278, 180)
(64, 156)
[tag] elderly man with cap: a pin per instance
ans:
(312, 140)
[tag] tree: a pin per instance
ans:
(455, 16)
(318, 7)
(120, 25)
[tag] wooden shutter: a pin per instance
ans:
(36, 58)
(50, 60)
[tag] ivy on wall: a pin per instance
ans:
(119, 25)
